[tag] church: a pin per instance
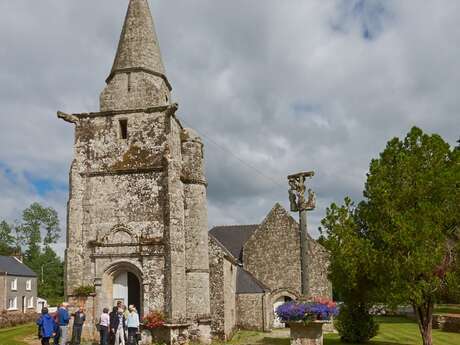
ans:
(137, 224)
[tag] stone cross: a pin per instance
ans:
(299, 203)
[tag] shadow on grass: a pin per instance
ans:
(327, 341)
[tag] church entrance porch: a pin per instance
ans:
(121, 282)
(127, 290)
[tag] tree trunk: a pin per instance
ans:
(424, 314)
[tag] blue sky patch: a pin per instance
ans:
(369, 15)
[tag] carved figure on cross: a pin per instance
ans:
(297, 191)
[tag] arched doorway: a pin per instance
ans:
(122, 281)
(127, 289)
(279, 301)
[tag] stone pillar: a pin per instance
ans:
(306, 333)
(196, 233)
(175, 276)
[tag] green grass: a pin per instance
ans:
(14, 336)
(393, 331)
(447, 309)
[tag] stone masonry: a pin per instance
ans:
(267, 256)
(137, 200)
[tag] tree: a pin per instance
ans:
(408, 224)
(6, 239)
(412, 213)
(34, 234)
(350, 272)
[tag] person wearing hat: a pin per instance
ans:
(47, 327)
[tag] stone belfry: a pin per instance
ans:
(137, 212)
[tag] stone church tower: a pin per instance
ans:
(137, 214)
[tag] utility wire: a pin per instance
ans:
(248, 165)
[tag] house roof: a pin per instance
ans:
(247, 283)
(13, 267)
(234, 237)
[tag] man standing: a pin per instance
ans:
(79, 320)
(63, 319)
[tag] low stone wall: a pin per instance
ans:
(12, 319)
(447, 323)
(253, 312)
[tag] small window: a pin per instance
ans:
(29, 285)
(14, 284)
(13, 303)
(123, 129)
(31, 302)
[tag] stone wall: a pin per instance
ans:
(253, 311)
(272, 255)
(448, 323)
(222, 291)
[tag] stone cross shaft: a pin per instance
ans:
(299, 203)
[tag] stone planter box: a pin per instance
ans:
(307, 333)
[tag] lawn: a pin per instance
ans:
(16, 335)
(393, 331)
(447, 309)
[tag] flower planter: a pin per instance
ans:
(307, 333)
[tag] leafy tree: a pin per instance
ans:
(351, 252)
(34, 234)
(406, 231)
(6, 239)
(412, 215)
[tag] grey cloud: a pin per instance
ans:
(285, 86)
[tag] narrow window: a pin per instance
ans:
(129, 82)
(14, 284)
(31, 302)
(29, 285)
(123, 129)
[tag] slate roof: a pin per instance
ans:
(247, 283)
(234, 237)
(13, 267)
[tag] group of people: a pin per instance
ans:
(120, 326)
(56, 327)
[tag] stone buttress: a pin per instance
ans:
(137, 199)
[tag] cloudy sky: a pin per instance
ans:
(273, 86)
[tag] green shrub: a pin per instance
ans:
(355, 325)
(84, 290)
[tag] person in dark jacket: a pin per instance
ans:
(78, 321)
(113, 325)
(57, 337)
(47, 327)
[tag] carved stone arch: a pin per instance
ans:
(278, 293)
(276, 299)
(110, 273)
(118, 266)
(120, 234)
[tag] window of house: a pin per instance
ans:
(31, 302)
(14, 284)
(29, 285)
(13, 303)
(123, 129)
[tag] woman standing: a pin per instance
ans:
(133, 325)
(104, 324)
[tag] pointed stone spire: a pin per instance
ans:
(137, 78)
